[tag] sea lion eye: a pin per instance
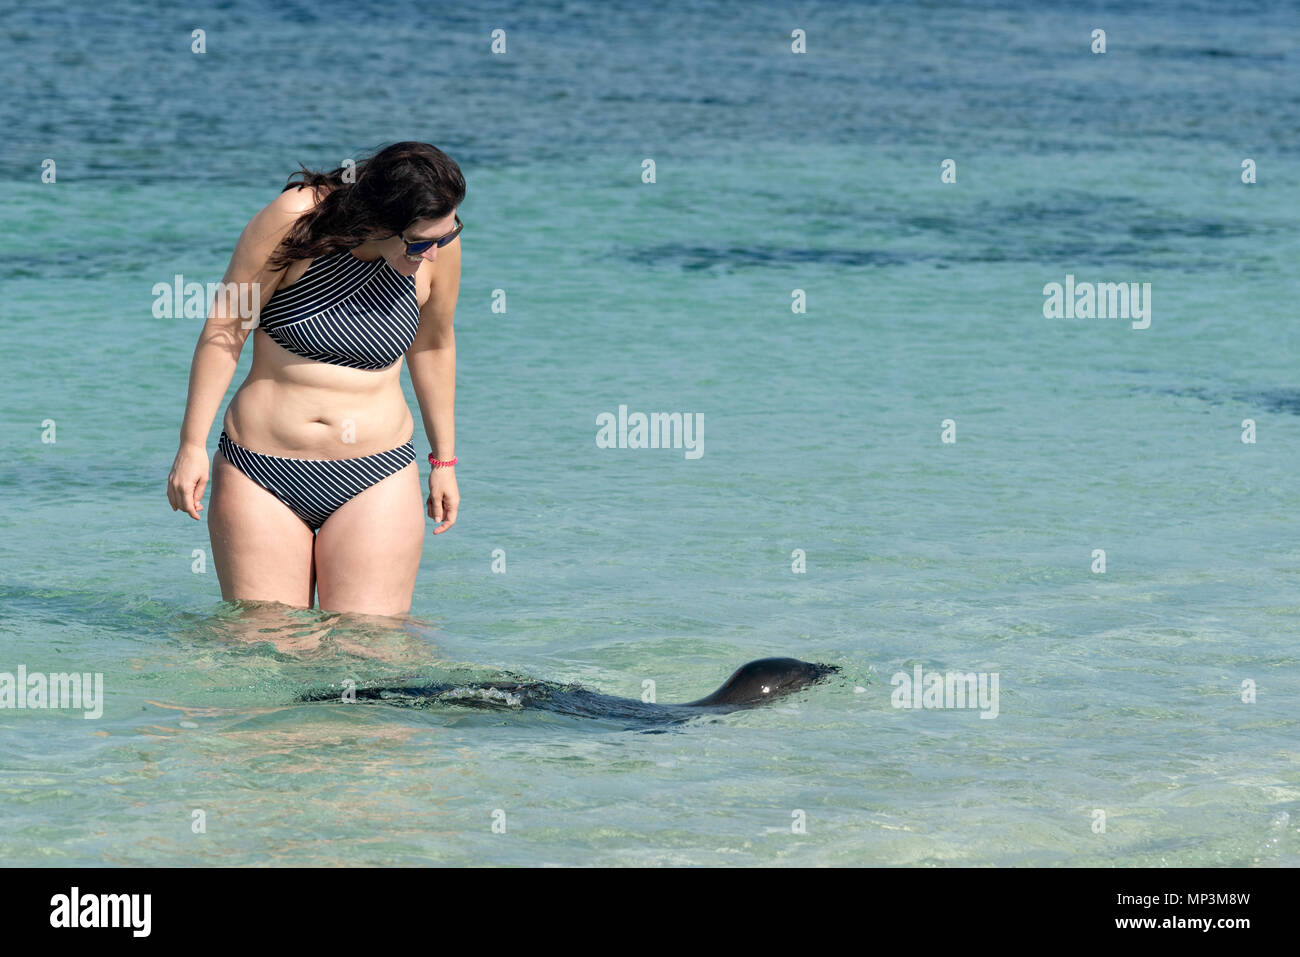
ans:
(767, 689)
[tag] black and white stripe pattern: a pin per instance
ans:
(346, 312)
(315, 488)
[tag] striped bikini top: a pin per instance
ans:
(345, 311)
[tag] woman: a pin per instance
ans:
(315, 487)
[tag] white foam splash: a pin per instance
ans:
(509, 698)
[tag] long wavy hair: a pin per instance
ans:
(393, 188)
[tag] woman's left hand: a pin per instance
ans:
(444, 497)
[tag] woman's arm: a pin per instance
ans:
(222, 339)
(432, 361)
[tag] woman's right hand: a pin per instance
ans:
(188, 479)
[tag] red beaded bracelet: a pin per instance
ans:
(435, 462)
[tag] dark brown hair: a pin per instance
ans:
(396, 186)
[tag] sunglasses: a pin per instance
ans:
(424, 245)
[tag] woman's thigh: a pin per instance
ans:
(262, 550)
(368, 552)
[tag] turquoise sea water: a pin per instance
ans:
(1119, 692)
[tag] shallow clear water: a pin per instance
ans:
(1118, 691)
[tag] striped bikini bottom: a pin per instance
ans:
(316, 488)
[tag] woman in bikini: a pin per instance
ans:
(315, 487)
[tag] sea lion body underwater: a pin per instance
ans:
(752, 684)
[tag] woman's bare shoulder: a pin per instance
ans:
(271, 224)
(289, 205)
(297, 200)
(264, 233)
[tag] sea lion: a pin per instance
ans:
(763, 680)
(752, 684)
